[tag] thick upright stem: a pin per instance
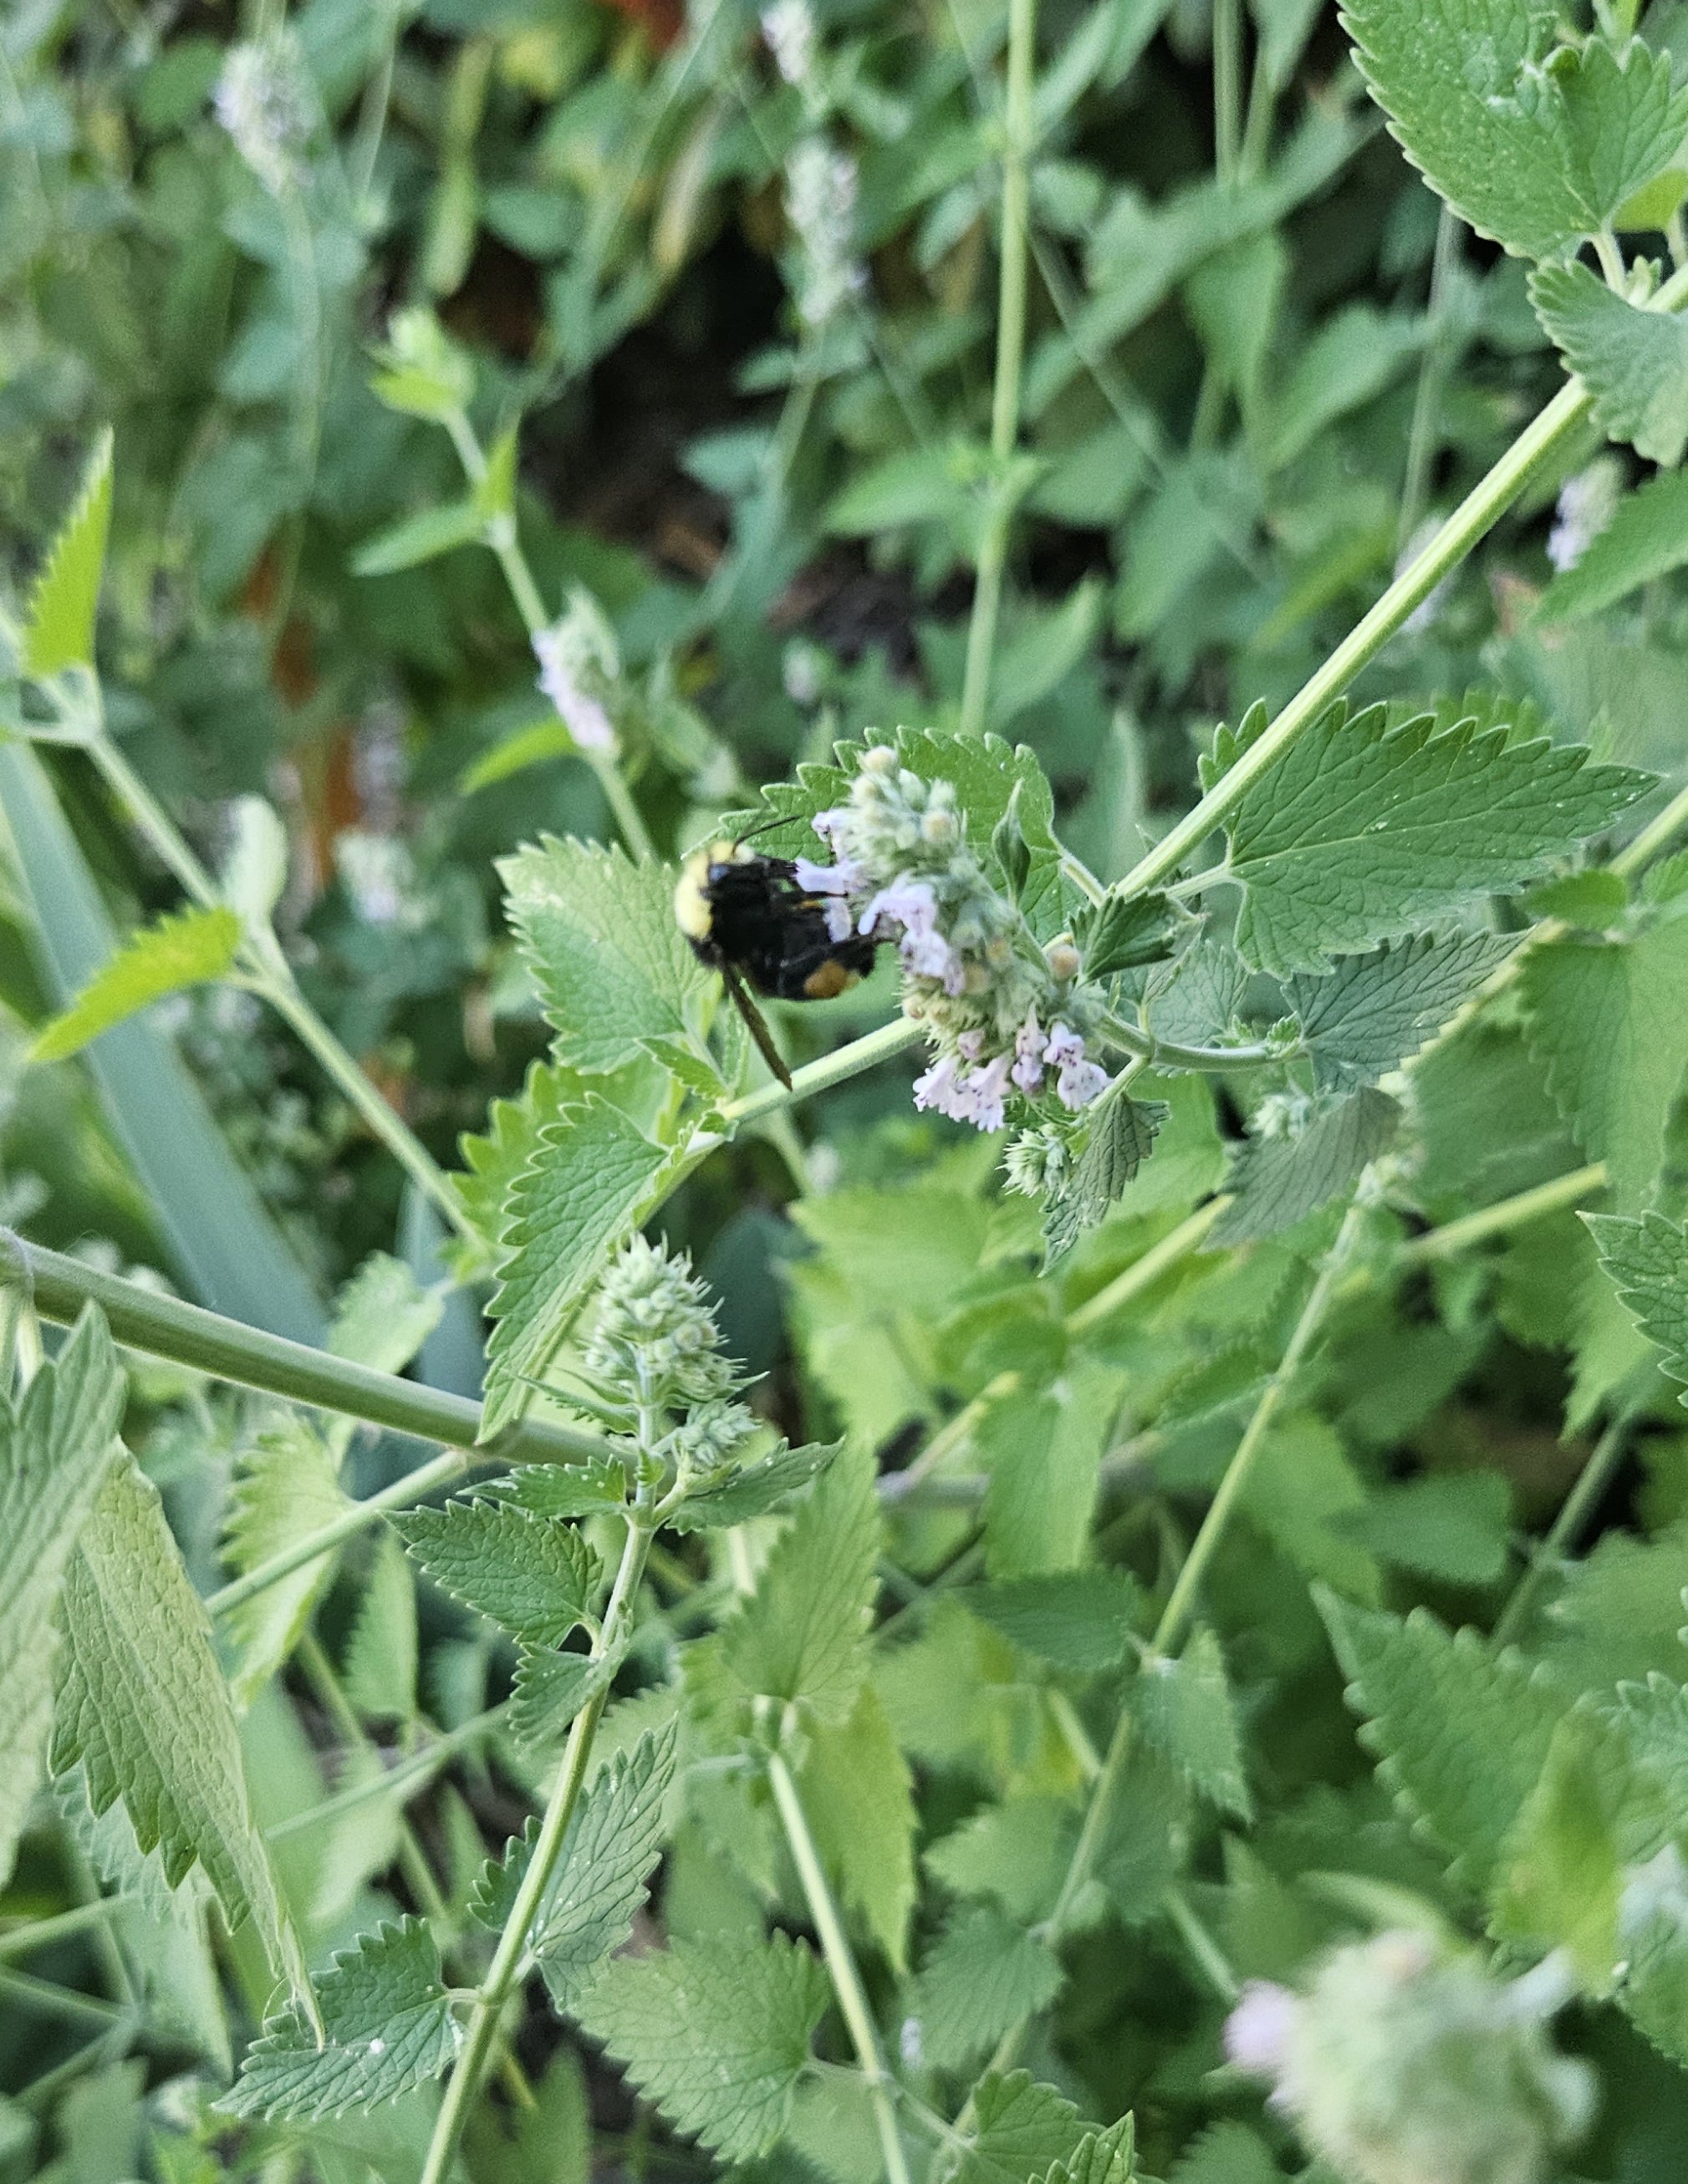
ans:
(1476, 515)
(504, 1970)
(841, 1964)
(1018, 124)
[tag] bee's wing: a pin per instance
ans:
(756, 1024)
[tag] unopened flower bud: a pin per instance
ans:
(1064, 960)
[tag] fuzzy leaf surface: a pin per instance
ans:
(55, 1445)
(1365, 830)
(613, 1841)
(1533, 157)
(1020, 2127)
(984, 1975)
(856, 1789)
(588, 1186)
(612, 966)
(1634, 362)
(1647, 1262)
(758, 1488)
(1279, 1181)
(191, 949)
(143, 1706)
(1121, 1139)
(1076, 1619)
(1371, 1013)
(1463, 1736)
(536, 1577)
(285, 1489)
(716, 2033)
(1184, 1707)
(387, 2026)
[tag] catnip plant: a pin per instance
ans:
(916, 1743)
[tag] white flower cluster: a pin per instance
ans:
(654, 1351)
(788, 26)
(820, 204)
(263, 100)
(1587, 503)
(1004, 1015)
(579, 667)
(1408, 2062)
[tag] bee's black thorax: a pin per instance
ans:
(766, 926)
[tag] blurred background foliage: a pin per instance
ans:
(740, 299)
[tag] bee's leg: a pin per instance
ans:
(756, 1024)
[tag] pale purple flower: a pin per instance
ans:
(983, 1092)
(833, 882)
(1028, 1053)
(971, 1044)
(1259, 2029)
(557, 651)
(908, 903)
(827, 824)
(1065, 1045)
(1080, 1082)
(940, 1087)
(930, 956)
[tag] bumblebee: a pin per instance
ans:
(748, 917)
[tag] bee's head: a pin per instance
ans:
(694, 911)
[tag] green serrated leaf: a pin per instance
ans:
(1646, 538)
(856, 1789)
(1634, 362)
(1278, 1182)
(380, 1665)
(612, 967)
(143, 1707)
(1560, 1880)
(387, 2026)
(286, 1488)
(757, 1489)
(55, 1445)
(1042, 1449)
(799, 1640)
(564, 1491)
(591, 1181)
(1462, 1734)
(492, 1161)
(984, 1975)
(550, 1689)
(1017, 1853)
(613, 1840)
(1610, 1022)
(1454, 1527)
(1364, 830)
(536, 1577)
(1534, 157)
(716, 2033)
(1647, 1262)
(1019, 2128)
(1372, 1013)
(1102, 2157)
(1122, 1133)
(1184, 1709)
(191, 949)
(1124, 932)
(1227, 2154)
(383, 1315)
(58, 630)
(1078, 1619)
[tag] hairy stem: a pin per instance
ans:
(228, 1349)
(1018, 125)
(1567, 1529)
(1476, 515)
(1509, 1213)
(841, 1964)
(504, 1970)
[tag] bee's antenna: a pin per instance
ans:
(767, 826)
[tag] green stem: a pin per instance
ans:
(1176, 1617)
(40, 1933)
(1509, 1213)
(409, 1776)
(1169, 1053)
(1018, 126)
(504, 1971)
(150, 819)
(60, 2001)
(1580, 1503)
(1209, 1956)
(383, 1123)
(1421, 439)
(1657, 834)
(226, 1349)
(1175, 1245)
(1227, 87)
(1476, 515)
(841, 1964)
(836, 1068)
(501, 537)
